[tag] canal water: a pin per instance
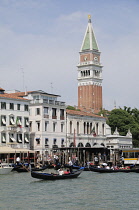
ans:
(90, 191)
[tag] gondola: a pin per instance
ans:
(48, 176)
(104, 170)
(21, 167)
(73, 166)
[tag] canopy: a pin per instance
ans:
(6, 150)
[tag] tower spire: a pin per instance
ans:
(89, 18)
(89, 41)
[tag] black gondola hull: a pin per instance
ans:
(47, 176)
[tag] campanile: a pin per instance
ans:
(89, 73)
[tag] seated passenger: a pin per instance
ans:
(60, 171)
(67, 172)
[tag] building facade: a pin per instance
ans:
(85, 129)
(47, 122)
(14, 121)
(89, 73)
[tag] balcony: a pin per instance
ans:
(12, 128)
(46, 116)
(54, 117)
(62, 117)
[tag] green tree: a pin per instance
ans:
(125, 119)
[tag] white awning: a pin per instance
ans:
(19, 122)
(27, 123)
(8, 149)
(19, 140)
(3, 139)
(26, 139)
(12, 139)
(3, 121)
(12, 121)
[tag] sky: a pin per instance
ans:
(40, 42)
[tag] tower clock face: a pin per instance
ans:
(85, 58)
(95, 58)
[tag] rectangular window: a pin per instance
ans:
(46, 126)
(3, 105)
(12, 121)
(3, 120)
(38, 140)
(38, 125)
(3, 137)
(11, 138)
(46, 141)
(62, 127)
(26, 122)
(30, 126)
(37, 111)
(62, 141)
(25, 107)
(19, 121)
(12, 106)
(18, 106)
(26, 138)
(19, 138)
(61, 114)
(54, 127)
(46, 110)
(54, 113)
(54, 141)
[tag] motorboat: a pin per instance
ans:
(5, 169)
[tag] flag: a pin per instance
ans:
(93, 131)
(18, 122)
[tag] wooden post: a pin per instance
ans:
(34, 159)
(15, 157)
(93, 157)
(28, 158)
(84, 156)
(23, 156)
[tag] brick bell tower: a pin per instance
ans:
(89, 73)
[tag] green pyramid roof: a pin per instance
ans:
(89, 42)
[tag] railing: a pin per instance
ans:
(46, 101)
(46, 116)
(62, 118)
(89, 62)
(62, 145)
(54, 117)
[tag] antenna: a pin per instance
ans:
(114, 104)
(23, 79)
(51, 87)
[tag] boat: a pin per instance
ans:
(105, 170)
(21, 167)
(73, 166)
(55, 176)
(5, 169)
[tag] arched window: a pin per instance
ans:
(87, 145)
(70, 126)
(72, 144)
(84, 127)
(77, 127)
(80, 145)
(103, 129)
